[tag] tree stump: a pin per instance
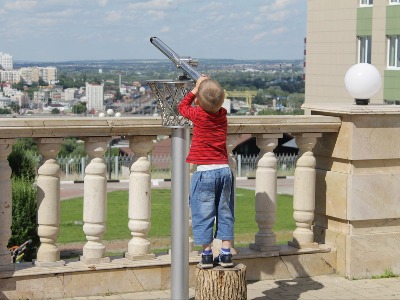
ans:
(221, 283)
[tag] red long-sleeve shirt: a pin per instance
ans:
(209, 133)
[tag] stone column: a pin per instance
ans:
(6, 268)
(266, 186)
(304, 191)
(48, 201)
(139, 211)
(357, 208)
(95, 201)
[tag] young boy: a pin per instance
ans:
(211, 188)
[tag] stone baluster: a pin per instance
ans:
(95, 201)
(48, 202)
(139, 211)
(266, 186)
(304, 191)
(6, 268)
(231, 143)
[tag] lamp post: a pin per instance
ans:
(362, 81)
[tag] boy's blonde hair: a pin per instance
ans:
(210, 95)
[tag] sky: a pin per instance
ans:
(65, 30)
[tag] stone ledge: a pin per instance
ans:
(122, 275)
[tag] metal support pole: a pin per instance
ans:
(116, 167)
(83, 166)
(179, 215)
(109, 160)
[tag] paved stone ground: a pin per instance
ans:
(320, 287)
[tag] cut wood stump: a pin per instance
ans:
(221, 283)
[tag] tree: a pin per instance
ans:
(18, 86)
(14, 106)
(5, 111)
(55, 111)
(118, 95)
(22, 158)
(71, 147)
(79, 108)
(42, 82)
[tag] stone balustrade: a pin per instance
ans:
(141, 133)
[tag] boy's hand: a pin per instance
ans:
(198, 82)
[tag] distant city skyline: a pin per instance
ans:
(57, 30)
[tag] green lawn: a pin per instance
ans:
(117, 217)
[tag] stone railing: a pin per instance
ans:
(141, 132)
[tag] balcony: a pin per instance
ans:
(326, 199)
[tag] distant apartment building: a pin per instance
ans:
(345, 32)
(41, 96)
(48, 74)
(21, 98)
(6, 61)
(70, 94)
(94, 97)
(26, 75)
(12, 76)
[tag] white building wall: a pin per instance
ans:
(95, 96)
(6, 61)
(12, 76)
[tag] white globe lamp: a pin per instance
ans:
(110, 112)
(102, 115)
(117, 114)
(362, 81)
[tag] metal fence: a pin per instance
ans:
(118, 167)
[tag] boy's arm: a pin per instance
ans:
(185, 106)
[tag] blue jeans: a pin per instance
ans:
(212, 197)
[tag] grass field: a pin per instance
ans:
(117, 218)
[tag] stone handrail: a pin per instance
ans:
(96, 132)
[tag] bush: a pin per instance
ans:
(24, 208)
(24, 211)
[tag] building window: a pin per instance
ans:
(393, 2)
(393, 51)
(364, 49)
(366, 2)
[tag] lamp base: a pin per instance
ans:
(362, 101)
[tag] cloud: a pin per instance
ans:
(113, 16)
(213, 6)
(279, 30)
(103, 2)
(260, 36)
(59, 14)
(278, 10)
(165, 29)
(278, 16)
(154, 4)
(277, 5)
(21, 5)
(275, 31)
(156, 14)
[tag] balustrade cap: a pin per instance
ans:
(351, 109)
(111, 126)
